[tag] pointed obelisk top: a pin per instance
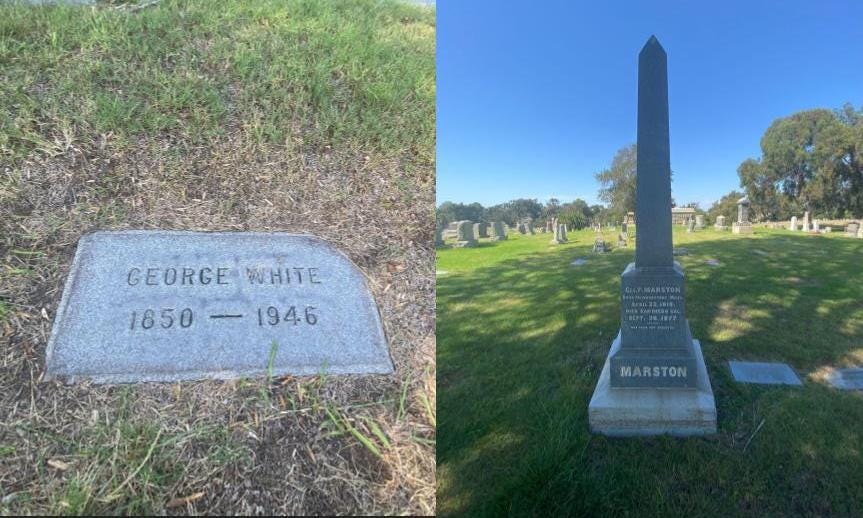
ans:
(653, 176)
(652, 47)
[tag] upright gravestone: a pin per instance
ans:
(563, 235)
(624, 227)
(815, 227)
(169, 306)
(522, 228)
(529, 226)
(860, 230)
(654, 380)
(497, 231)
(464, 235)
(793, 225)
(851, 229)
(480, 230)
(742, 226)
(720, 223)
(699, 221)
(690, 226)
(548, 227)
(557, 239)
(805, 227)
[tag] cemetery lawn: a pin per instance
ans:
(238, 115)
(523, 335)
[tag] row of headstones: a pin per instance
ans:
(852, 229)
(467, 233)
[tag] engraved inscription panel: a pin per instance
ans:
(159, 306)
(652, 308)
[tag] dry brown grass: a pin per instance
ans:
(239, 447)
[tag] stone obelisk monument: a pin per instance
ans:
(654, 380)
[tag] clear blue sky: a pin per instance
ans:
(534, 98)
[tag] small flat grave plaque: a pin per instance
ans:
(578, 262)
(168, 306)
(764, 373)
(847, 379)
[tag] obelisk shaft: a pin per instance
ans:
(653, 195)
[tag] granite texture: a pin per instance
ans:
(847, 379)
(498, 233)
(170, 305)
(763, 373)
(653, 161)
(654, 380)
(464, 235)
(627, 412)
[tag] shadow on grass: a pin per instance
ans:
(521, 343)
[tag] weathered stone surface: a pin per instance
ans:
(763, 373)
(805, 227)
(464, 235)
(638, 412)
(793, 226)
(742, 226)
(720, 223)
(497, 231)
(165, 306)
(699, 221)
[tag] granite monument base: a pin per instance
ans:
(742, 228)
(630, 412)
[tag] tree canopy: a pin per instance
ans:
(617, 183)
(811, 160)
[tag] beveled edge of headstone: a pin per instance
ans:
(84, 241)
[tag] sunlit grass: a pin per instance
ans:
(525, 372)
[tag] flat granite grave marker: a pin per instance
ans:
(846, 379)
(654, 380)
(763, 373)
(167, 306)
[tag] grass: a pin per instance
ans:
(276, 71)
(300, 116)
(523, 336)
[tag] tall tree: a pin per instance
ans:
(811, 160)
(618, 183)
(726, 206)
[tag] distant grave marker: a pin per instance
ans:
(764, 373)
(742, 225)
(846, 379)
(167, 306)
